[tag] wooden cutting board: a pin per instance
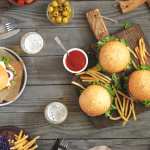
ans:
(132, 35)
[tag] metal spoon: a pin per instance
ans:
(58, 41)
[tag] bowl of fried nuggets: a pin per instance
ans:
(17, 139)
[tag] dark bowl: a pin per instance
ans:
(13, 2)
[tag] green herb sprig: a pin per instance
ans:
(127, 24)
(147, 103)
(5, 59)
(108, 38)
(144, 67)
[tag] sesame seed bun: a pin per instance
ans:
(139, 85)
(114, 57)
(95, 100)
(3, 78)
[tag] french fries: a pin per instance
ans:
(142, 52)
(93, 75)
(22, 142)
(125, 107)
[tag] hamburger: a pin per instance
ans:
(95, 100)
(114, 56)
(6, 73)
(139, 85)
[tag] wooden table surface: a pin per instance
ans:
(48, 81)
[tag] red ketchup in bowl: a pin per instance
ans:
(75, 60)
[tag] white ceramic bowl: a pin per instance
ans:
(65, 56)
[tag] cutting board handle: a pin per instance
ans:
(97, 24)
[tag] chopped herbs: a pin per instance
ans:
(116, 80)
(144, 67)
(124, 41)
(111, 111)
(147, 103)
(108, 38)
(5, 59)
(105, 39)
(98, 67)
(127, 24)
(111, 90)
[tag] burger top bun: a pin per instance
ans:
(114, 56)
(3, 77)
(139, 85)
(95, 100)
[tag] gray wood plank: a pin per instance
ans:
(81, 38)
(115, 144)
(34, 16)
(35, 98)
(76, 126)
(46, 70)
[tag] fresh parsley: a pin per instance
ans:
(5, 59)
(124, 41)
(144, 67)
(111, 111)
(147, 103)
(105, 39)
(108, 38)
(116, 80)
(110, 89)
(127, 24)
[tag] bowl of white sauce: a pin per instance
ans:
(32, 43)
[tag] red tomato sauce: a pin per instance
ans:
(75, 60)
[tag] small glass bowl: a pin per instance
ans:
(50, 17)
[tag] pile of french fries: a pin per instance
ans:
(142, 52)
(22, 142)
(125, 106)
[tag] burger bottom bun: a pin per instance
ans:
(139, 85)
(95, 100)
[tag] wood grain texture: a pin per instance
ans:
(115, 144)
(48, 81)
(34, 16)
(76, 126)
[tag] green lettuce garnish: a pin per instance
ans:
(5, 59)
(147, 103)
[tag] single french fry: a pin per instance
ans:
(114, 118)
(133, 111)
(126, 109)
(119, 101)
(124, 104)
(20, 135)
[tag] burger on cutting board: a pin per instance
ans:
(114, 57)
